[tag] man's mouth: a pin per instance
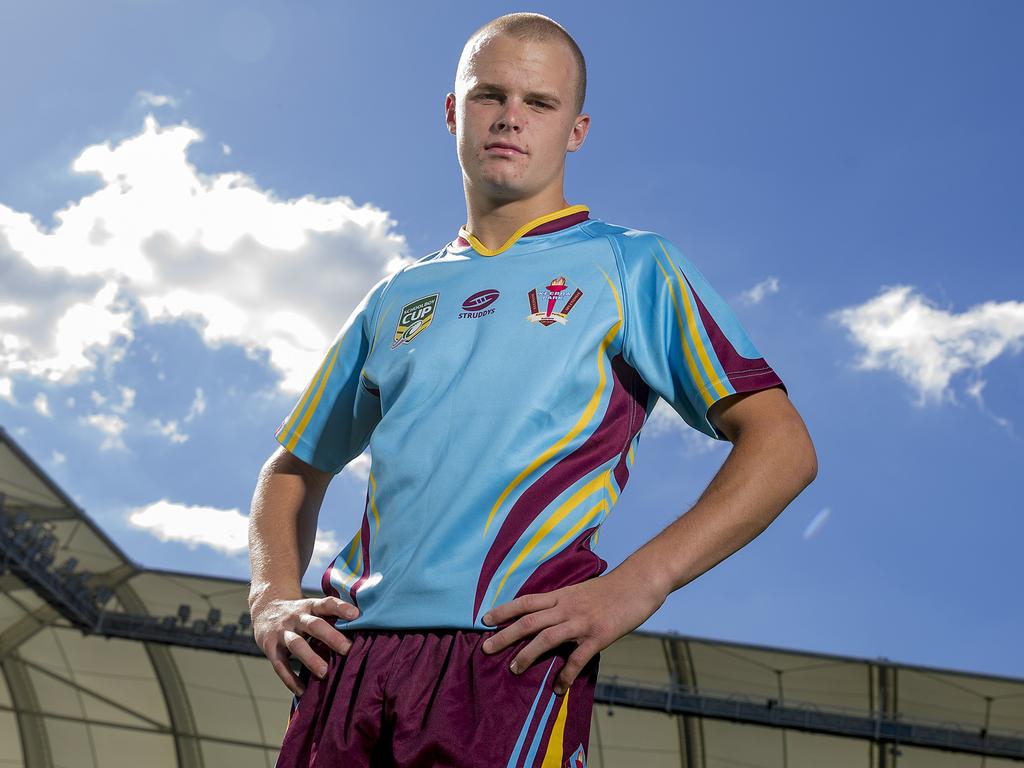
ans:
(502, 148)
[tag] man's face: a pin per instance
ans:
(520, 94)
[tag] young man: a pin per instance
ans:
(501, 384)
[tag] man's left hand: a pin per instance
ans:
(593, 614)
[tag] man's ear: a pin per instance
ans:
(449, 112)
(580, 128)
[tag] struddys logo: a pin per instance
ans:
(478, 304)
(553, 292)
(414, 319)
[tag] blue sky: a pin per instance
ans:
(193, 196)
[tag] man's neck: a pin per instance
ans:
(493, 225)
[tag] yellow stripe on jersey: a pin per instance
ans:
(305, 395)
(693, 334)
(706, 358)
(601, 506)
(373, 500)
(584, 419)
(294, 439)
(348, 576)
(553, 753)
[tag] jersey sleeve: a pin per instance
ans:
(682, 338)
(332, 421)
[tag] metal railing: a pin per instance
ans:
(27, 549)
(809, 716)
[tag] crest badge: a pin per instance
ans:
(552, 292)
(414, 318)
(577, 759)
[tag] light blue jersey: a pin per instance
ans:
(502, 393)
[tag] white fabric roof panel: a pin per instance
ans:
(98, 678)
(632, 737)
(220, 691)
(80, 745)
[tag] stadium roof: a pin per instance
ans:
(100, 663)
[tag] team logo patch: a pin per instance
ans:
(553, 291)
(414, 319)
(477, 304)
(577, 759)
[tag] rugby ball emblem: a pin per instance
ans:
(481, 300)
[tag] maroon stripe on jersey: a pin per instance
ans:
(641, 393)
(365, 544)
(576, 563)
(614, 431)
(745, 373)
(325, 580)
(562, 222)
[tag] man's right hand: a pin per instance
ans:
(279, 625)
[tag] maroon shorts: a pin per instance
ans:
(433, 697)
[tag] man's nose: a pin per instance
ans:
(509, 118)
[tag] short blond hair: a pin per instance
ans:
(535, 27)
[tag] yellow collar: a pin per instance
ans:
(527, 229)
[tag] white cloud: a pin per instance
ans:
(816, 524)
(11, 311)
(42, 405)
(904, 332)
(110, 425)
(754, 295)
(127, 400)
(198, 406)
(974, 391)
(325, 547)
(168, 429)
(665, 420)
(57, 457)
(62, 336)
(162, 241)
(226, 530)
(6, 389)
(157, 99)
(359, 467)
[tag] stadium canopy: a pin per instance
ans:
(105, 663)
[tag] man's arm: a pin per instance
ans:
(282, 525)
(771, 462)
(282, 532)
